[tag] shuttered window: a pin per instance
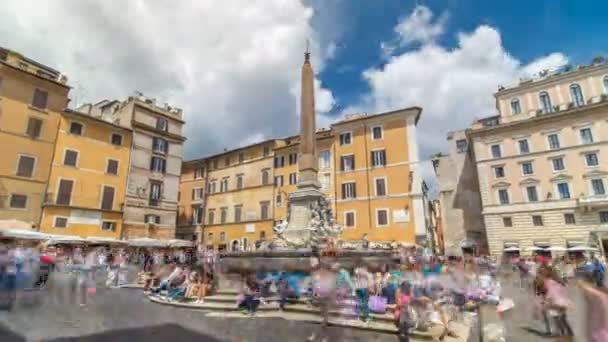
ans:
(26, 166)
(34, 126)
(112, 167)
(18, 201)
(107, 201)
(64, 195)
(70, 158)
(40, 99)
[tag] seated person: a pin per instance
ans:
(166, 283)
(250, 297)
(151, 277)
(206, 285)
(194, 283)
(180, 285)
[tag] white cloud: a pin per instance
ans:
(230, 67)
(419, 26)
(549, 62)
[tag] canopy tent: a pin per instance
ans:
(66, 239)
(23, 234)
(180, 243)
(105, 240)
(582, 249)
(534, 249)
(556, 249)
(511, 249)
(146, 242)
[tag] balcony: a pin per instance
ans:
(594, 201)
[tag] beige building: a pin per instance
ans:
(462, 226)
(542, 161)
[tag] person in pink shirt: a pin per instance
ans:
(597, 311)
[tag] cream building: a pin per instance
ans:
(542, 161)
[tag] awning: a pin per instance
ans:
(66, 239)
(582, 249)
(543, 244)
(180, 243)
(467, 243)
(534, 249)
(23, 234)
(146, 242)
(573, 243)
(511, 244)
(105, 240)
(556, 249)
(511, 249)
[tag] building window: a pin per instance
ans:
(60, 222)
(215, 164)
(577, 95)
(197, 215)
(524, 147)
(25, 167)
(64, 193)
(462, 146)
(591, 159)
(586, 136)
(241, 157)
(558, 164)
(262, 235)
(264, 210)
(293, 178)
(346, 138)
(603, 216)
(158, 165)
(222, 236)
(499, 171)
(278, 181)
(527, 168)
(266, 151)
(564, 190)
(324, 159)
(116, 139)
(553, 140)
(293, 158)
(532, 194)
(238, 213)
(377, 133)
(380, 184)
(278, 200)
(107, 198)
(198, 194)
(515, 107)
(507, 222)
(108, 226)
(210, 238)
(347, 163)
(199, 172)
(349, 190)
(18, 201)
(379, 158)
(569, 218)
(279, 161)
(155, 191)
(381, 217)
(224, 184)
(545, 102)
(162, 124)
(211, 216)
(226, 161)
(76, 128)
(239, 182)
(349, 219)
(152, 219)
(325, 180)
(40, 99)
(503, 196)
(598, 187)
(496, 152)
(537, 220)
(112, 167)
(70, 158)
(34, 126)
(159, 145)
(223, 215)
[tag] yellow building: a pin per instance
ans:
(31, 97)
(368, 169)
(86, 190)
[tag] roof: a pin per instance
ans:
(194, 161)
(90, 117)
(415, 108)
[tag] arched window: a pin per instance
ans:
(577, 95)
(515, 106)
(606, 85)
(235, 245)
(545, 102)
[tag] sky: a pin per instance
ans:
(234, 66)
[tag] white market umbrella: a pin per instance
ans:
(105, 240)
(534, 249)
(66, 239)
(556, 249)
(146, 242)
(180, 243)
(512, 249)
(23, 234)
(582, 249)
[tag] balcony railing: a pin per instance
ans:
(593, 201)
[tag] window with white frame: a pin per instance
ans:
(380, 186)
(496, 151)
(239, 181)
(527, 168)
(211, 216)
(532, 193)
(278, 181)
(462, 145)
(381, 217)
(569, 218)
(325, 180)
(108, 226)
(503, 196)
(158, 165)
(238, 213)
(349, 190)
(379, 158)
(116, 139)
(279, 161)
(507, 221)
(545, 102)
(586, 135)
(198, 193)
(265, 177)
(349, 219)
(60, 222)
(537, 220)
(324, 159)
(563, 189)
(197, 214)
(18, 201)
(558, 164)
(553, 140)
(162, 124)
(523, 145)
(377, 133)
(76, 128)
(224, 184)
(347, 162)
(515, 107)
(499, 171)
(577, 95)
(199, 172)
(293, 178)
(70, 158)
(597, 186)
(346, 138)
(25, 166)
(591, 159)
(603, 216)
(160, 145)
(112, 167)
(223, 215)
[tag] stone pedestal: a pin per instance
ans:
(300, 212)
